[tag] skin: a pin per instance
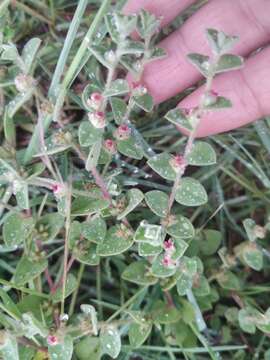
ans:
(247, 88)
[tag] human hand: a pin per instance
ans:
(248, 88)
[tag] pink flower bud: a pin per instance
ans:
(95, 101)
(168, 245)
(23, 82)
(110, 146)
(123, 132)
(52, 340)
(138, 89)
(210, 98)
(97, 119)
(178, 162)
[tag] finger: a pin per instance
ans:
(249, 91)
(246, 18)
(167, 10)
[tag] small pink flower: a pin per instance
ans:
(58, 190)
(123, 132)
(52, 340)
(178, 162)
(97, 119)
(110, 146)
(95, 101)
(167, 261)
(187, 111)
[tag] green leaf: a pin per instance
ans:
(202, 154)
(33, 327)
(201, 62)
(157, 201)
(147, 24)
(250, 226)
(146, 249)
(164, 314)
(9, 304)
(29, 53)
(120, 26)
(110, 341)
(93, 156)
(132, 48)
(86, 206)
(201, 286)
(228, 280)
(138, 273)
(247, 319)
(9, 347)
(253, 256)
(118, 240)
(88, 134)
(16, 229)
(183, 284)
(210, 241)
(161, 165)
(228, 62)
(220, 42)
(63, 350)
(18, 101)
(144, 102)
(28, 269)
(180, 248)
(119, 109)
(217, 103)
(94, 230)
(118, 87)
(130, 148)
(178, 118)
(179, 226)
(156, 53)
(88, 348)
(86, 253)
(49, 225)
(191, 193)
(160, 270)
(148, 233)
(135, 197)
(103, 55)
(138, 334)
(71, 286)
(22, 195)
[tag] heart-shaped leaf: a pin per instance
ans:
(94, 230)
(138, 272)
(190, 192)
(179, 226)
(28, 269)
(135, 197)
(179, 118)
(16, 229)
(161, 165)
(138, 333)
(118, 240)
(110, 341)
(88, 134)
(130, 148)
(157, 202)
(202, 154)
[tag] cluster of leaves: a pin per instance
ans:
(64, 193)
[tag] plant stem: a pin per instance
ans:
(75, 294)
(66, 249)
